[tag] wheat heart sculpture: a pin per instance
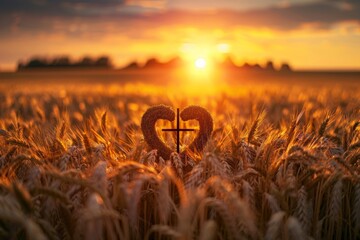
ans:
(166, 113)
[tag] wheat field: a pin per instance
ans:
(281, 163)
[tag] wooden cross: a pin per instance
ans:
(178, 130)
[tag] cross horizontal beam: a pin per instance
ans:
(178, 130)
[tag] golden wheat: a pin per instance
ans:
(278, 165)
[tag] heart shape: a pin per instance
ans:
(166, 113)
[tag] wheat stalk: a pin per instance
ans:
(275, 225)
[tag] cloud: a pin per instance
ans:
(128, 16)
(294, 16)
(154, 4)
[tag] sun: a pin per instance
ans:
(200, 63)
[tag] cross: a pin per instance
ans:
(178, 130)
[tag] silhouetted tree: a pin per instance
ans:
(269, 66)
(131, 66)
(228, 63)
(152, 63)
(103, 62)
(86, 62)
(64, 61)
(20, 65)
(173, 63)
(285, 67)
(257, 67)
(246, 66)
(60, 62)
(37, 63)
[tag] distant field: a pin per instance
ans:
(106, 77)
(283, 161)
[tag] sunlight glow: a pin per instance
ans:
(223, 48)
(200, 63)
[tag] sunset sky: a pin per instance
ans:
(309, 34)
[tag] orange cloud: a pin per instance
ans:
(313, 35)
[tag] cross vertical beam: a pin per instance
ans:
(178, 130)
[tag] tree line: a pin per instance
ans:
(66, 62)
